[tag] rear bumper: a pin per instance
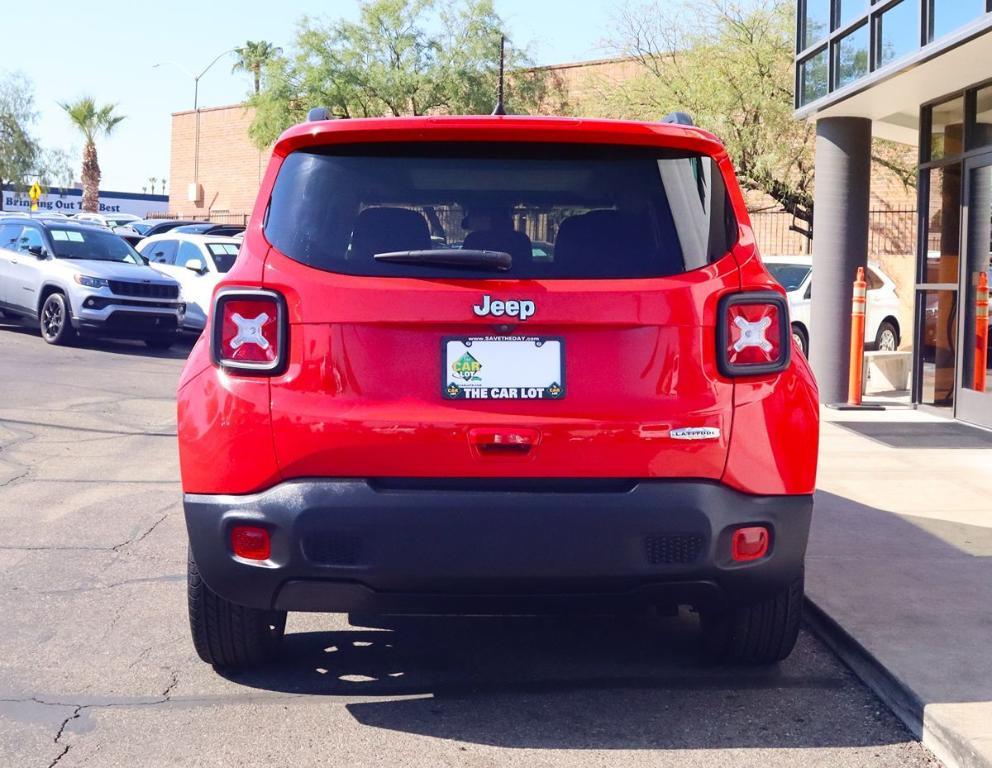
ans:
(437, 547)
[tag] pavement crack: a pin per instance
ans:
(59, 756)
(74, 716)
(15, 478)
(138, 539)
(173, 682)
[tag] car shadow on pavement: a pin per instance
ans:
(572, 682)
(179, 351)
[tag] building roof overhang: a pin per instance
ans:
(892, 95)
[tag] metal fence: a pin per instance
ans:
(890, 232)
(220, 217)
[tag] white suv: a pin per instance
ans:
(196, 262)
(77, 278)
(795, 274)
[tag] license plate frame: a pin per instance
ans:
(491, 353)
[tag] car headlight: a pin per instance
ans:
(91, 282)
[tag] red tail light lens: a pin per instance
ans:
(749, 544)
(753, 334)
(251, 542)
(249, 331)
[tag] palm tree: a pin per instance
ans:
(252, 57)
(153, 181)
(93, 122)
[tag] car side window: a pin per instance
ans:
(873, 280)
(187, 252)
(30, 238)
(162, 252)
(9, 233)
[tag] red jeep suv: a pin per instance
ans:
(497, 365)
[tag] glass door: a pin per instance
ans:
(974, 392)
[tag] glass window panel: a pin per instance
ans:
(899, 31)
(947, 129)
(817, 22)
(813, 77)
(852, 56)
(949, 15)
(938, 342)
(982, 133)
(849, 10)
(976, 362)
(943, 225)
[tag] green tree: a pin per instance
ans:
(19, 152)
(93, 122)
(253, 57)
(402, 57)
(729, 64)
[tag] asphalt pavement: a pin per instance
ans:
(97, 669)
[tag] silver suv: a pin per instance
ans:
(76, 278)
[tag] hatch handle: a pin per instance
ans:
(504, 440)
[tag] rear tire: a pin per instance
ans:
(55, 322)
(887, 338)
(762, 633)
(801, 338)
(226, 634)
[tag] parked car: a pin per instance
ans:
(158, 226)
(196, 262)
(108, 220)
(795, 275)
(77, 278)
(209, 228)
(381, 425)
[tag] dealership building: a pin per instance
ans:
(915, 72)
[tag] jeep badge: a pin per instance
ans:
(520, 308)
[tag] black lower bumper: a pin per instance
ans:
(484, 547)
(124, 324)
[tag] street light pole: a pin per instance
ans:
(196, 110)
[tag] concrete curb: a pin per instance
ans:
(947, 743)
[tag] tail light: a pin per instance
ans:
(251, 542)
(749, 544)
(249, 331)
(753, 335)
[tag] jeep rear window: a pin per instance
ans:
(560, 211)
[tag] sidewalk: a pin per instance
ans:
(899, 570)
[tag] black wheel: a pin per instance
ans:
(55, 323)
(160, 343)
(887, 338)
(801, 338)
(226, 634)
(762, 633)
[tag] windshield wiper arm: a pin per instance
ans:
(459, 258)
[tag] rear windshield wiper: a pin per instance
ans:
(459, 258)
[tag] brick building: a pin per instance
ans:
(230, 165)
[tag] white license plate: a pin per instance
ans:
(503, 368)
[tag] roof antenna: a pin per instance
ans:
(500, 109)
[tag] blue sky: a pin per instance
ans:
(122, 42)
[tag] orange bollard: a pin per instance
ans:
(981, 331)
(857, 364)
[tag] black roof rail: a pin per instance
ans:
(678, 118)
(319, 113)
